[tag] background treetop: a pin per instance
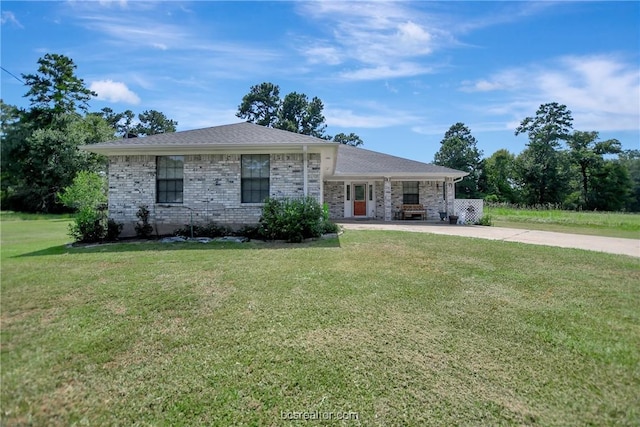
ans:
(55, 86)
(295, 113)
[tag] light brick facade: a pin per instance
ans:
(211, 189)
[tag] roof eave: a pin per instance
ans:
(194, 149)
(425, 176)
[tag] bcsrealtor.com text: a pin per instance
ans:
(318, 415)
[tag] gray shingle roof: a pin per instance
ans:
(237, 133)
(350, 161)
(358, 161)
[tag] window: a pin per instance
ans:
(410, 193)
(169, 179)
(254, 178)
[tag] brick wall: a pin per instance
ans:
(430, 194)
(334, 196)
(211, 189)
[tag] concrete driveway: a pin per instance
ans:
(611, 245)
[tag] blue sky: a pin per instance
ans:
(398, 74)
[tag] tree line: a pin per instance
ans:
(40, 153)
(559, 166)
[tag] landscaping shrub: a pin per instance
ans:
(201, 230)
(291, 219)
(89, 225)
(87, 195)
(485, 220)
(113, 230)
(143, 228)
(250, 232)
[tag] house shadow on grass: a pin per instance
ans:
(156, 245)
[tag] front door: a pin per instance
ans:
(360, 200)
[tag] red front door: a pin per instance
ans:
(360, 200)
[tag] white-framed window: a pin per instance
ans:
(254, 177)
(169, 179)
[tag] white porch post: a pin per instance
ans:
(450, 194)
(388, 214)
(305, 172)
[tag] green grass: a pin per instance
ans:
(400, 328)
(611, 224)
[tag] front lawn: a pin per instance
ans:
(374, 328)
(611, 224)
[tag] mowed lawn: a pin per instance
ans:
(377, 328)
(611, 224)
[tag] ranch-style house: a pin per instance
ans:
(222, 174)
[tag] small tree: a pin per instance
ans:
(459, 151)
(88, 197)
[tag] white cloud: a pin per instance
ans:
(323, 55)
(8, 17)
(368, 115)
(114, 92)
(378, 40)
(121, 3)
(603, 92)
(406, 69)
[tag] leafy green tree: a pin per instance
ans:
(541, 163)
(153, 122)
(500, 176)
(48, 159)
(121, 123)
(295, 113)
(351, 139)
(631, 161)
(586, 152)
(261, 105)
(55, 87)
(87, 195)
(40, 153)
(298, 114)
(610, 186)
(459, 151)
(543, 180)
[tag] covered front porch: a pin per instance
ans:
(383, 198)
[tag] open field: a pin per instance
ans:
(611, 224)
(394, 328)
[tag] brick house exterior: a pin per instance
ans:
(221, 174)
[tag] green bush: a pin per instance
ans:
(486, 220)
(113, 230)
(87, 195)
(143, 228)
(292, 220)
(90, 225)
(329, 227)
(201, 230)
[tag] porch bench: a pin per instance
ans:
(414, 209)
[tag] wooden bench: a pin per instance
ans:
(408, 211)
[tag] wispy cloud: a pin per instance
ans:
(603, 92)
(368, 115)
(114, 92)
(374, 40)
(8, 17)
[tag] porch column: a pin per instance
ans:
(305, 172)
(388, 213)
(450, 194)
